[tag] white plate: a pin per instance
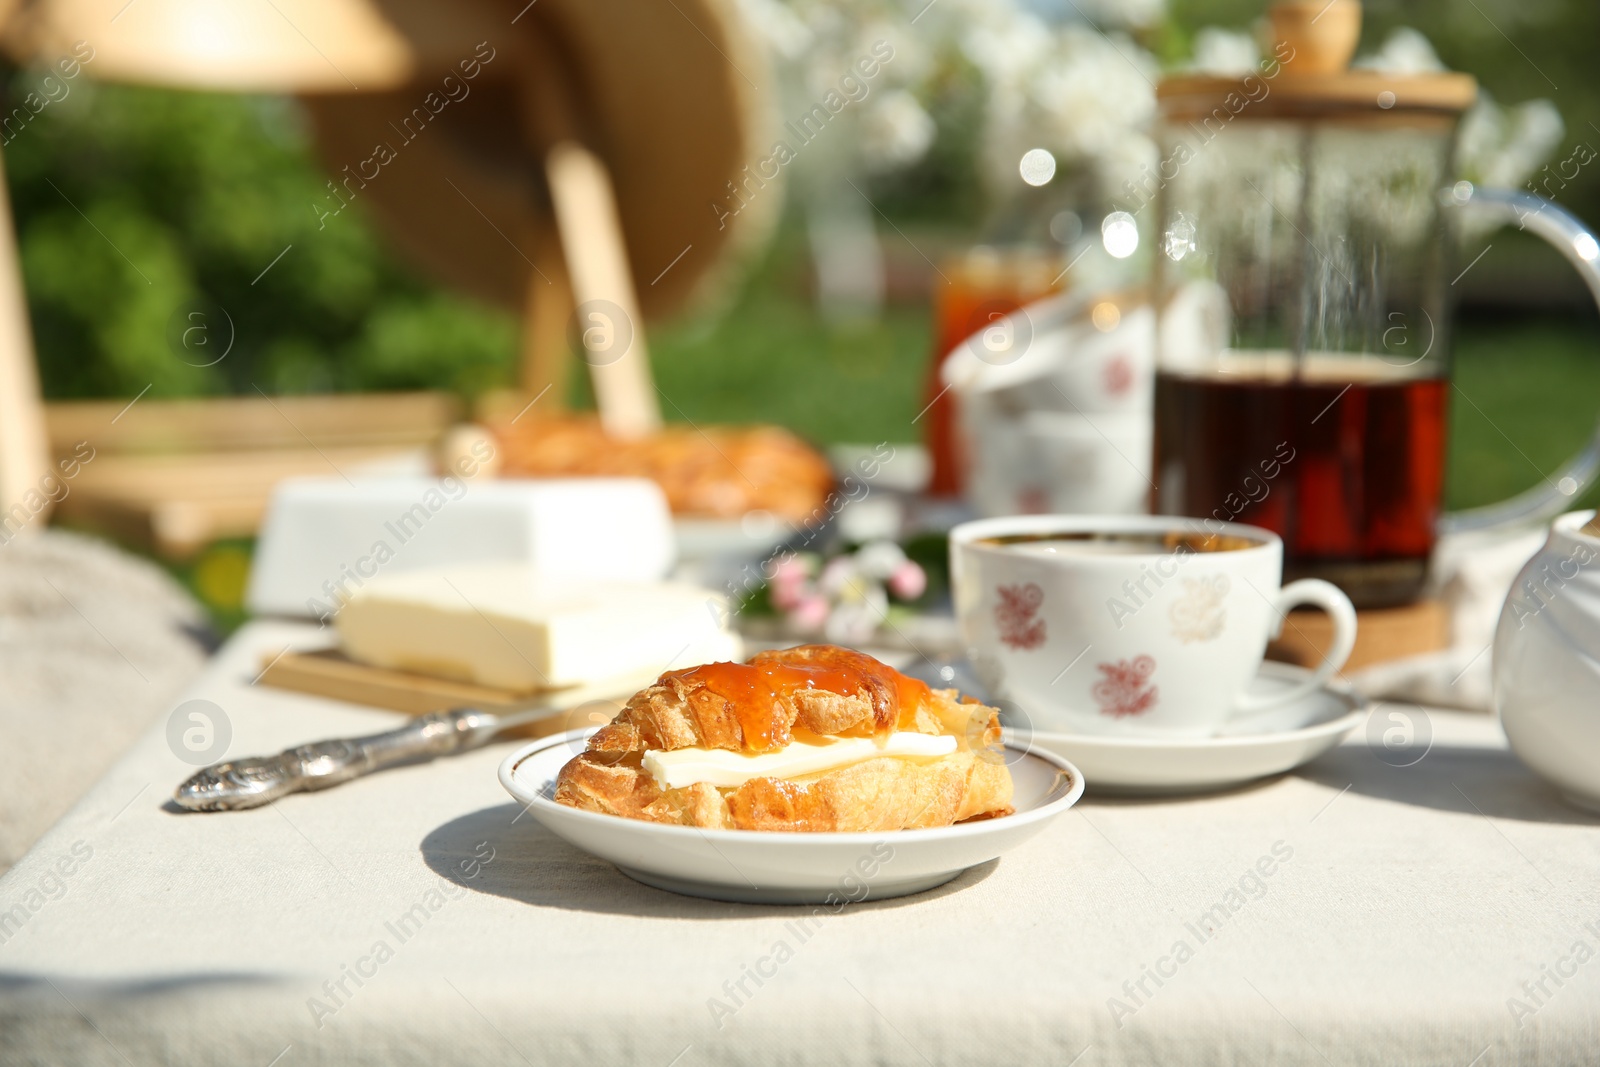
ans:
(1263, 745)
(753, 535)
(763, 867)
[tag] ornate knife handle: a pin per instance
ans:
(249, 783)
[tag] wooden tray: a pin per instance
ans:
(175, 475)
(1383, 634)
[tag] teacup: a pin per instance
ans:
(1135, 625)
(1048, 461)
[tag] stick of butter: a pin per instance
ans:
(503, 625)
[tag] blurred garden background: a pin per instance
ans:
(131, 203)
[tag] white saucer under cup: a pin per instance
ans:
(1275, 742)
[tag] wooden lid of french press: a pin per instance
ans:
(1306, 74)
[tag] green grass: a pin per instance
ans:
(773, 360)
(1526, 399)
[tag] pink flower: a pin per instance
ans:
(787, 586)
(786, 593)
(810, 613)
(789, 569)
(908, 581)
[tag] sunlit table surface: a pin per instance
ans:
(1351, 913)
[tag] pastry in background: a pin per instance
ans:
(813, 738)
(713, 471)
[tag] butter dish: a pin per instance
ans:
(324, 539)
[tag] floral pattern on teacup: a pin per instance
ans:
(1125, 690)
(1015, 615)
(1118, 375)
(1198, 615)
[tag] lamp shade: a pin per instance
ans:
(254, 45)
(673, 97)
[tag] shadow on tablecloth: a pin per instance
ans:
(533, 865)
(1467, 780)
(16, 987)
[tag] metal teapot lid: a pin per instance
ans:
(1308, 75)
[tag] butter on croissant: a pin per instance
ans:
(814, 738)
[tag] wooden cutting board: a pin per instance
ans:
(330, 673)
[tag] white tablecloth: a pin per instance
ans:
(1445, 913)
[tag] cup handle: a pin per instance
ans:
(1329, 598)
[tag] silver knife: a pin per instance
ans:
(235, 785)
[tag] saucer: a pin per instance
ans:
(1262, 745)
(764, 867)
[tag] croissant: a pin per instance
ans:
(715, 470)
(813, 695)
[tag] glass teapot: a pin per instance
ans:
(1310, 207)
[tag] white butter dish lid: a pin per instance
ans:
(324, 538)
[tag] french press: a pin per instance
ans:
(1313, 206)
